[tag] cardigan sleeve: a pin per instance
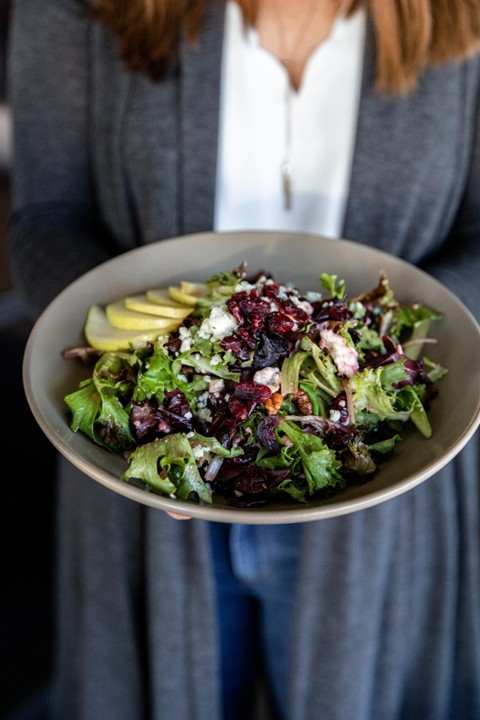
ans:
(50, 245)
(55, 233)
(457, 263)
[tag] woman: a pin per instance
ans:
(136, 121)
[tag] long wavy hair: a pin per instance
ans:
(411, 35)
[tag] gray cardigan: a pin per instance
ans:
(388, 601)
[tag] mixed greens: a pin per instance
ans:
(264, 392)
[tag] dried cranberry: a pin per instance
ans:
(279, 323)
(253, 480)
(237, 346)
(143, 419)
(327, 311)
(226, 430)
(273, 290)
(266, 433)
(296, 313)
(246, 397)
(176, 402)
(252, 391)
(169, 422)
(247, 338)
(248, 308)
(220, 414)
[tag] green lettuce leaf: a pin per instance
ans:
(168, 466)
(320, 465)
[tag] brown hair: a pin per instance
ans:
(411, 34)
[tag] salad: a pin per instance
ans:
(263, 392)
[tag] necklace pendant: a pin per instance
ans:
(287, 185)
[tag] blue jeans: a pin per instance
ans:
(255, 568)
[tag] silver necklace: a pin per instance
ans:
(287, 62)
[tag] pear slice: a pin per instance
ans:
(102, 336)
(119, 316)
(180, 296)
(193, 288)
(161, 296)
(160, 303)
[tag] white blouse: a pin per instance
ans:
(253, 126)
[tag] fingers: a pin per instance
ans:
(175, 516)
